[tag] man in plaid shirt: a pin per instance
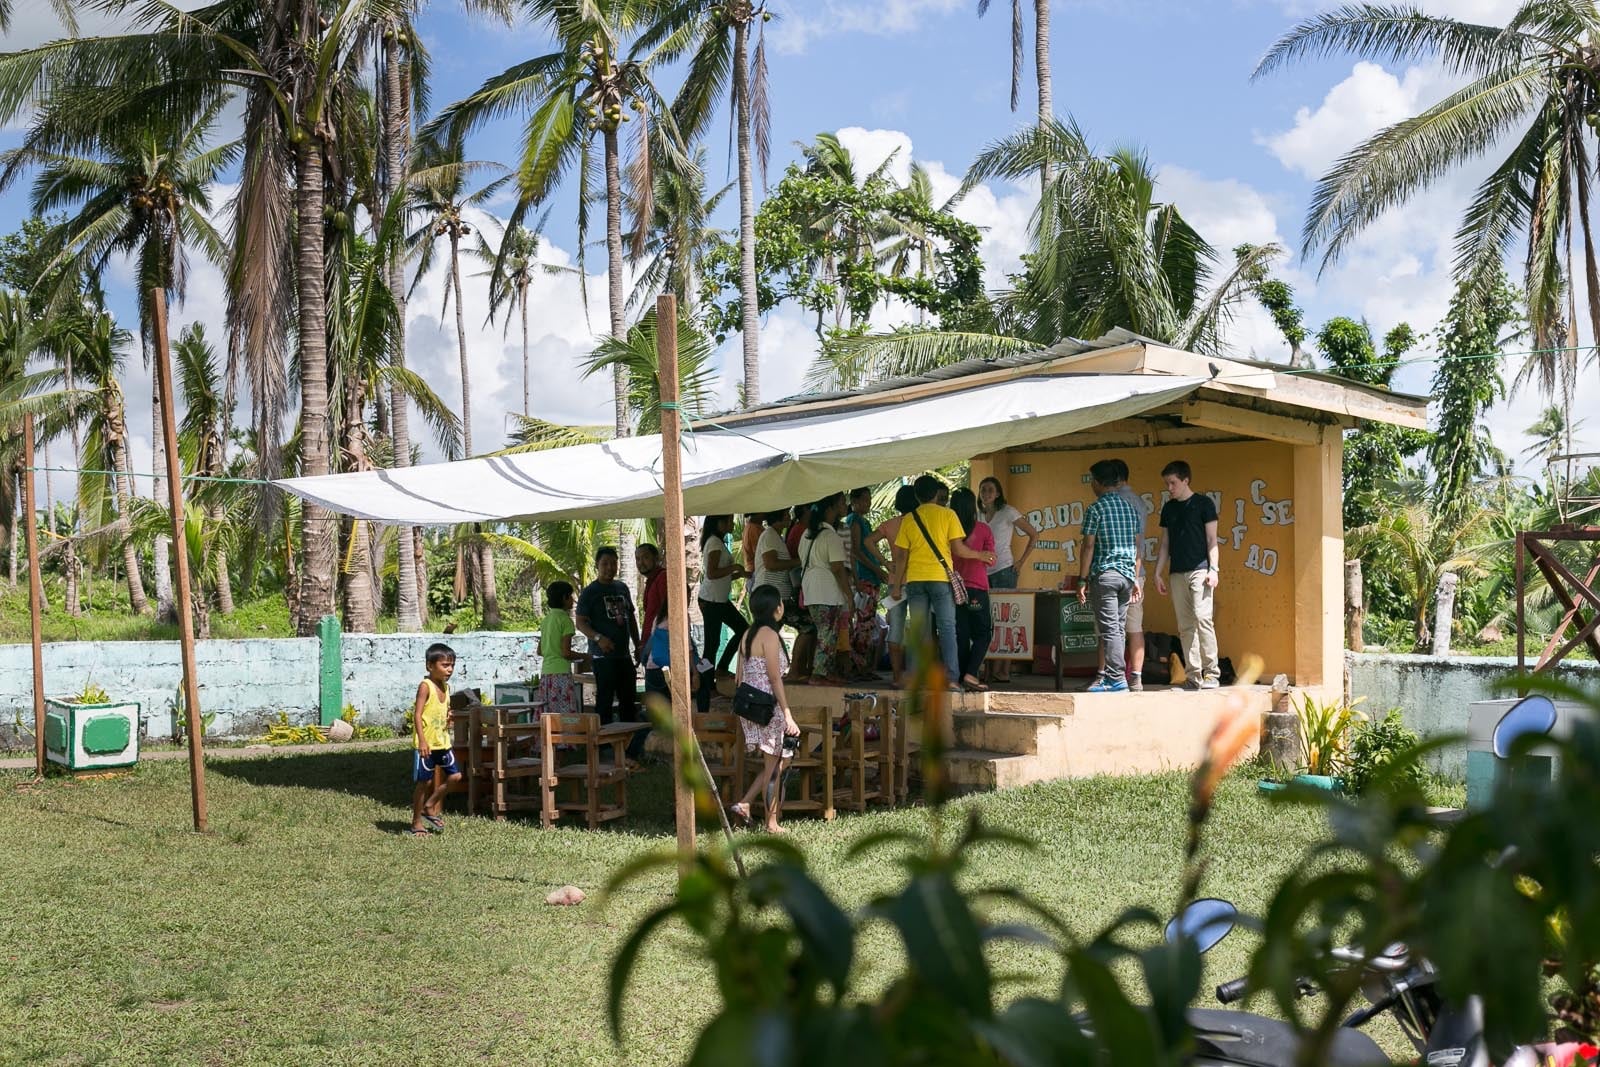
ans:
(1108, 568)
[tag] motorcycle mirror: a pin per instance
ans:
(1532, 715)
(1205, 922)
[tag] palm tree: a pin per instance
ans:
(202, 445)
(1041, 59)
(511, 269)
(668, 251)
(293, 63)
(144, 193)
(1106, 253)
(1530, 81)
(440, 198)
(721, 46)
(1420, 547)
(598, 73)
(363, 339)
(99, 354)
(1549, 435)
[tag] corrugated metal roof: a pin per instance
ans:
(1071, 346)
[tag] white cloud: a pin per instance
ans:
(1360, 105)
(803, 21)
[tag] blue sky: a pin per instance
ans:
(931, 79)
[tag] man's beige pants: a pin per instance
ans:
(1191, 602)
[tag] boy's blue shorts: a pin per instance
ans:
(441, 758)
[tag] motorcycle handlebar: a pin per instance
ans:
(1228, 992)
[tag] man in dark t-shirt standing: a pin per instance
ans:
(1189, 544)
(605, 616)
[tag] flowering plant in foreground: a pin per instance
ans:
(784, 957)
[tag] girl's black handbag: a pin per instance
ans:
(756, 705)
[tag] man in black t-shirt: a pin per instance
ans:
(606, 617)
(1189, 544)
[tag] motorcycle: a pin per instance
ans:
(1395, 981)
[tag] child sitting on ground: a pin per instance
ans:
(435, 763)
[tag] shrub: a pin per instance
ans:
(1375, 749)
(1325, 735)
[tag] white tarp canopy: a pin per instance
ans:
(761, 466)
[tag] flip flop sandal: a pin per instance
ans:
(417, 831)
(435, 822)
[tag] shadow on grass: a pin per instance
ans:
(384, 775)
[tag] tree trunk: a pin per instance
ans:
(1355, 606)
(166, 608)
(224, 582)
(122, 483)
(1444, 613)
(318, 526)
(619, 325)
(73, 601)
(749, 306)
(522, 302)
(358, 581)
(397, 136)
(614, 274)
(16, 525)
(488, 601)
(1041, 59)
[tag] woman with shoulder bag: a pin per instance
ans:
(974, 624)
(761, 667)
(826, 592)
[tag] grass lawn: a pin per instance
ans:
(305, 929)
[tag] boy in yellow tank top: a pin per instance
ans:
(435, 764)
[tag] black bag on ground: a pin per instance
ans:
(756, 705)
(1158, 652)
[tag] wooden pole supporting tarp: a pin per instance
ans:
(191, 682)
(30, 523)
(677, 572)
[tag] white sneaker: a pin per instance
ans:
(1210, 683)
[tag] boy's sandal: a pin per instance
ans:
(417, 831)
(434, 821)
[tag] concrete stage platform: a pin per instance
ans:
(1026, 732)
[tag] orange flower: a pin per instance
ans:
(1234, 731)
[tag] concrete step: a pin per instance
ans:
(1011, 733)
(976, 769)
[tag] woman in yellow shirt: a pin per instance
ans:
(928, 542)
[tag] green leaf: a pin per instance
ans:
(1037, 1033)
(942, 941)
(747, 1038)
(1121, 1028)
(825, 930)
(627, 956)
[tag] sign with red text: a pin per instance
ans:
(1013, 615)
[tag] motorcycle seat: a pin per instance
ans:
(1242, 1038)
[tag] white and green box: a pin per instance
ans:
(514, 692)
(84, 737)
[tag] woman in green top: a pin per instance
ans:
(558, 686)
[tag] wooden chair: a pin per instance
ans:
(865, 766)
(510, 754)
(907, 749)
(466, 741)
(811, 771)
(721, 738)
(586, 768)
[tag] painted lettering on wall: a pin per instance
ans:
(1263, 560)
(1022, 468)
(1043, 566)
(1273, 512)
(1047, 546)
(1012, 616)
